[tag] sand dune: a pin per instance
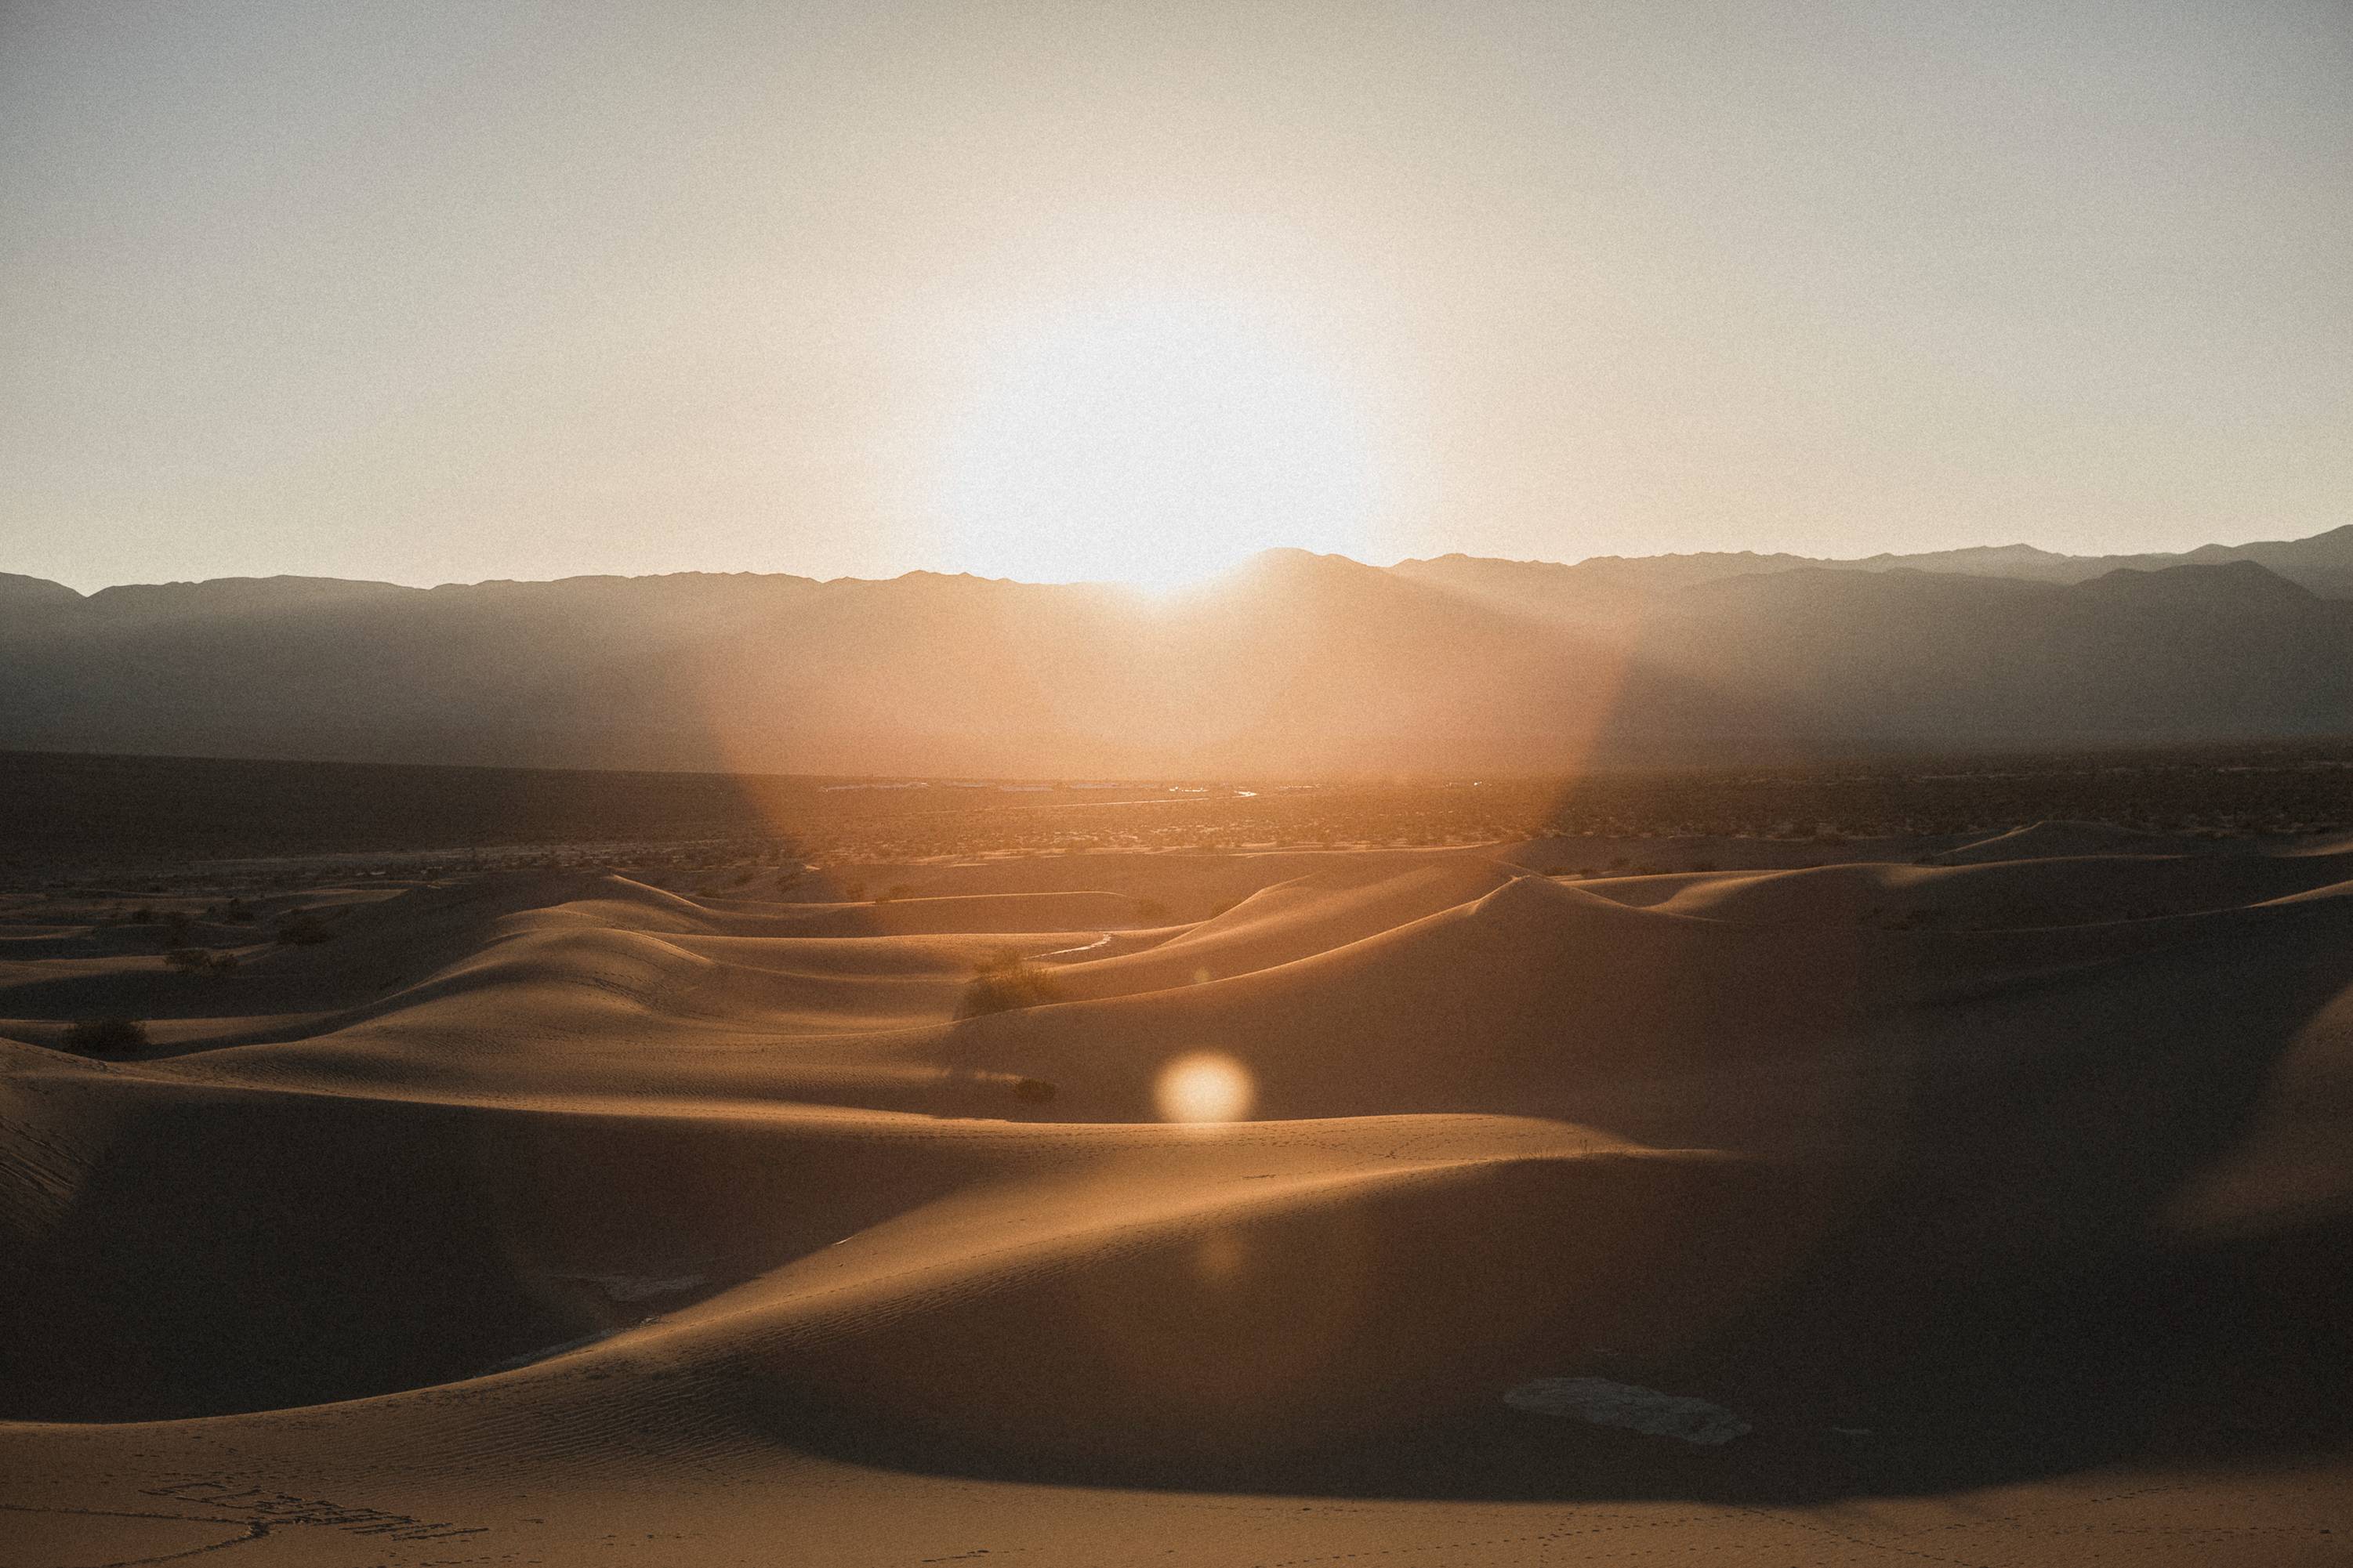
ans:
(555, 1217)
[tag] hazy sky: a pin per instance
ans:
(444, 293)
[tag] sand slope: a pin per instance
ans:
(551, 1216)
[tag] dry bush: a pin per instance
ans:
(301, 927)
(107, 1037)
(1004, 982)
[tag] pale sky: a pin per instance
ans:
(443, 292)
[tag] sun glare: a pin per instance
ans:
(1207, 1086)
(1153, 442)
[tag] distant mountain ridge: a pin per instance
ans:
(1296, 665)
(1607, 586)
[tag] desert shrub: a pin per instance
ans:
(853, 891)
(1004, 982)
(894, 892)
(200, 961)
(238, 911)
(301, 927)
(1034, 1091)
(106, 1036)
(142, 916)
(173, 930)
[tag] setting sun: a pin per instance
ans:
(1153, 442)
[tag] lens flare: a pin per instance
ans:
(1207, 1086)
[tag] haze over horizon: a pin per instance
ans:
(453, 293)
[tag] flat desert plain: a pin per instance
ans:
(1395, 1208)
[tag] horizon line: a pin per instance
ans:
(1125, 586)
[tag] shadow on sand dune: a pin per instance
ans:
(1905, 1385)
(2002, 1290)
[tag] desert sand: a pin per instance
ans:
(554, 1217)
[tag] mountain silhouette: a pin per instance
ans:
(1294, 663)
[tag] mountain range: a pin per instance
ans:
(1295, 665)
